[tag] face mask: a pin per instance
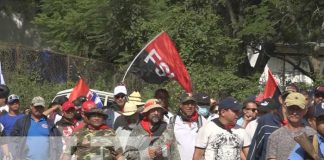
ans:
(203, 111)
(132, 125)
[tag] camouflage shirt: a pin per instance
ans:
(96, 144)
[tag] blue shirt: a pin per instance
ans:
(38, 140)
(8, 122)
(298, 153)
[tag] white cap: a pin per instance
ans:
(120, 89)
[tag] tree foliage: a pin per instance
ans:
(211, 36)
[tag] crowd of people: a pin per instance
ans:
(288, 127)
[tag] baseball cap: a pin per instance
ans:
(202, 99)
(267, 105)
(93, 111)
(185, 98)
(67, 105)
(12, 98)
(130, 108)
(120, 89)
(151, 104)
(319, 109)
(296, 99)
(88, 105)
(38, 101)
(229, 103)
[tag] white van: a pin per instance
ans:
(105, 97)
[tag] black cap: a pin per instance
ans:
(229, 103)
(268, 104)
(202, 99)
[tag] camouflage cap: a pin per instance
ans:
(94, 111)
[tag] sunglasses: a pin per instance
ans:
(251, 109)
(120, 96)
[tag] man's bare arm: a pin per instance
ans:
(198, 154)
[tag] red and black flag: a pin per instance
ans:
(159, 61)
(271, 89)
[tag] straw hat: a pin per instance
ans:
(135, 97)
(151, 104)
(130, 108)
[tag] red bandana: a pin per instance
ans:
(230, 126)
(146, 126)
(194, 117)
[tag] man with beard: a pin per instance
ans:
(281, 141)
(35, 135)
(221, 138)
(96, 140)
(152, 138)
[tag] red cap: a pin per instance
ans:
(67, 105)
(88, 105)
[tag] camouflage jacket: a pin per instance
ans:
(139, 141)
(96, 144)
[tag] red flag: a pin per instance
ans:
(80, 89)
(271, 89)
(160, 61)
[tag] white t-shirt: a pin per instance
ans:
(220, 143)
(4, 108)
(186, 137)
(251, 127)
(212, 116)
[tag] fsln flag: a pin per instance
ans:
(1, 76)
(82, 89)
(159, 61)
(271, 89)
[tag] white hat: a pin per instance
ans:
(120, 89)
(130, 108)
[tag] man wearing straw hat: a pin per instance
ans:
(152, 138)
(126, 122)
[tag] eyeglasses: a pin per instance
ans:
(252, 109)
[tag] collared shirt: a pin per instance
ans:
(38, 140)
(298, 153)
(185, 135)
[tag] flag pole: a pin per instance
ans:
(138, 56)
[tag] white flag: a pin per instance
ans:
(1, 76)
